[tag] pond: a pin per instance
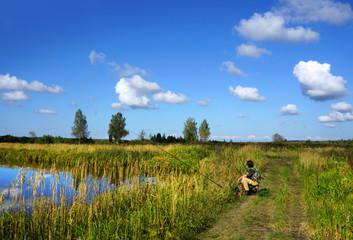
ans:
(20, 187)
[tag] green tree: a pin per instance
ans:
(159, 138)
(204, 131)
(190, 130)
(32, 134)
(80, 127)
(142, 135)
(117, 127)
(278, 138)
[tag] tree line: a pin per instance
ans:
(117, 130)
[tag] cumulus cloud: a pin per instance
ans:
(13, 83)
(127, 70)
(336, 117)
(45, 111)
(73, 103)
(304, 11)
(170, 97)
(342, 107)
(271, 27)
(290, 109)
(246, 93)
(317, 82)
(251, 50)
(340, 112)
(274, 25)
(229, 67)
(118, 107)
(204, 102)
(14, 96)
(96, 57)
(136, 92)
(241, 115)
(330, 125)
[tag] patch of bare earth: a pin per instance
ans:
(256, 217)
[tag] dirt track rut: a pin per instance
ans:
(279, 214)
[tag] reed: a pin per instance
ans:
(180, 203)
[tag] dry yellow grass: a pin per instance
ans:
(58, 147)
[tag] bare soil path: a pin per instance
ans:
(278, 213)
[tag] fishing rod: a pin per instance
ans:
(188, 165)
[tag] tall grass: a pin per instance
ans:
(60, 147)
(180, 204)
(328, 180)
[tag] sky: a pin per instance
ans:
(250, 68)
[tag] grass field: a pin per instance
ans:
(184, 202)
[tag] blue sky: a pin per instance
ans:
(250, 68)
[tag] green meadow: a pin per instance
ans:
(194, 186)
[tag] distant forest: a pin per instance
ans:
(162, 139)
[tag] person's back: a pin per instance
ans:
(256, 176)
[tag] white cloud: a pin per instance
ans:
(118, 107)
(251, 138)
(290, 109)
(317, 82)
(231, 69)
(204, 102)
(246, 93)
(317, 138)
(45, 111)
(340, 112)
(73, 103)
(13, 83)
(330, 125)
(336, 117)
(134, 92)
(120, 71)
(96, 57)
(271, 27)
(251, 50)
(127, 70)
(170, 97)
(14, 96)
(315, 11)
(342, 107)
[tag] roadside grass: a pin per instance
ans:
(328, 187)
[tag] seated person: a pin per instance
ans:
(252, 177)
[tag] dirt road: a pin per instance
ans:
(278, 213)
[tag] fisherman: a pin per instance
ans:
(252, 177)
